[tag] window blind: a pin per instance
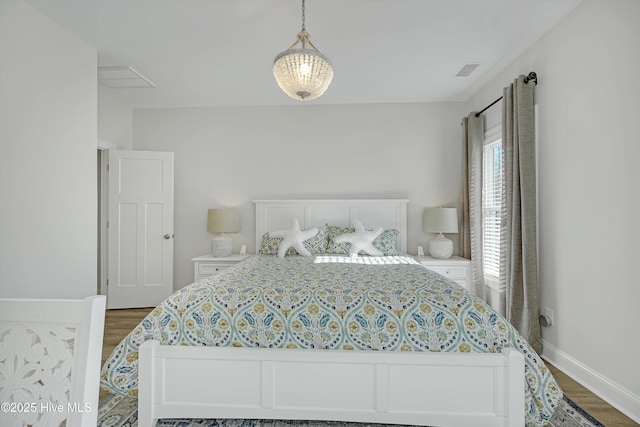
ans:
(491, 207)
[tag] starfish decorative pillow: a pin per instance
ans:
(361, 240)
(294, 238)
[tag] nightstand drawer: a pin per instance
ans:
(454, 268)
(209, 269)
(451, 272)
(461, 282)
(208, 265)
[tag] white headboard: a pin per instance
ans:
(387, 213)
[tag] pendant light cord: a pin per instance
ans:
(303, 36)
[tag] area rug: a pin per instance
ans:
(122, 411)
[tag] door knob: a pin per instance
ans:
(167, 236)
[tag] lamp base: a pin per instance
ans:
(441, 247)
(221, 246)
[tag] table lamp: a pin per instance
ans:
(222, 221)
(440, 220)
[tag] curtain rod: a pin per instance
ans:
(531, 76)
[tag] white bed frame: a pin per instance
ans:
(431, 389)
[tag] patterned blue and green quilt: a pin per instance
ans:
(390, 303)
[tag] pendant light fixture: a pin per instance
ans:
(303, 73)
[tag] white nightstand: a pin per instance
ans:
(455, 268)
(206, 265)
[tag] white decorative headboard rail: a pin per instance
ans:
(278, 214)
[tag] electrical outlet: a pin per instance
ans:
(548, 313)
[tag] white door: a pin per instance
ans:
(140, 228)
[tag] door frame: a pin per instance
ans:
(103, 214)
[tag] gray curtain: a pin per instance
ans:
(471, 229)
(519, 261)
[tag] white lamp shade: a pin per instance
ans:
(440, 220)
(223, 221)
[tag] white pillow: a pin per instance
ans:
(294, 238)
(361, 240)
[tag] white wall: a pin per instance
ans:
(589, 201)
(231, 156)
(114, 121)
(47, 158)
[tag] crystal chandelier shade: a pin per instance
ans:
(303, 74)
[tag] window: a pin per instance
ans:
(491, 205)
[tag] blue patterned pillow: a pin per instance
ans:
(386, 242)
(316, 245)
(334, 248)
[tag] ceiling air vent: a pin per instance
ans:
(117, 76)
(467, 69)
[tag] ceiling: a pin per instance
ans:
(220, 52)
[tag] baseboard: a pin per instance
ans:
(614, 394)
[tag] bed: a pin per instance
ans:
(407, 346)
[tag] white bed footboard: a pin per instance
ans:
(435, 389)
